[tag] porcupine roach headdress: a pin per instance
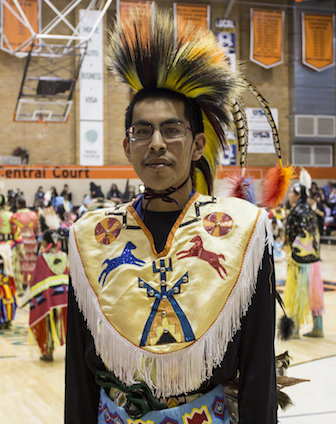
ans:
(148, 58)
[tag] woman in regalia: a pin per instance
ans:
(49, 296)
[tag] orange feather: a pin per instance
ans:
(275, 185)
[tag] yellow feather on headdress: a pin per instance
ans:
(144, 53)
(149, 57)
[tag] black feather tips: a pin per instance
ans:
(286, 327)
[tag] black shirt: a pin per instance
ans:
(251, 351)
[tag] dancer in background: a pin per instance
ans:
(8, 303)
(48, 297)
(26, 221)
(304, 285)
(10, 235)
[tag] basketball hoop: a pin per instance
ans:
(41, 128)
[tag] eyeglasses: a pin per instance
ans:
(169, 131)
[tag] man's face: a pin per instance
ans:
(162, 163)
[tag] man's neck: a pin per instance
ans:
(180, 199)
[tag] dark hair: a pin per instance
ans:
(61, 211)
(2, 200)
(21, 202)
(96, 191)
(301, 190)
(49, 236)
(54, 191)
(192, 111)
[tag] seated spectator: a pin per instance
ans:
(277, 227)
(332, 198)
(327, 188)
(83, 208)
(65, 192)
(114, 194)
(67, 204)
(95, 191)
(314, 188)
(54, 195)
(322, 195)
(279, 253)
(317, 206)
(39, 195)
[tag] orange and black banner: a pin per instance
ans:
(184, 13)
(66, 172)
(124, 8)
(267, 37)
(15, 31)
(113, 172)
(318, 50)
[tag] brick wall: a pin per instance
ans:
(61, 143)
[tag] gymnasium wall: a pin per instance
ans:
(28, 179)
(61, 144)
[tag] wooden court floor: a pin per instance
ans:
(32, 391)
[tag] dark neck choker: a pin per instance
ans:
(164, 195)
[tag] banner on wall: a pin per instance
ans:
(318, 50)
(66, 172)
(124, 8)
(15, 30)
(267, 37)
(92, 93)
(260, 134)
(226, 36)
(199, 15)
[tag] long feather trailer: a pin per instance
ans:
(239, 116)
(263, 103)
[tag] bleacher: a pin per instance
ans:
(329, 233)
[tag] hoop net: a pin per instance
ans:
(41, 128)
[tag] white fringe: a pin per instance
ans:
(184, 370)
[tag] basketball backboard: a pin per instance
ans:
(32, 110)
(48, 84)
(45, 23)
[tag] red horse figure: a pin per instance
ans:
(198, 250)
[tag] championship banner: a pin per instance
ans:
(124, 8)
(267, 37)
(226, 36)
(199, 15)
(318, 51)
(19, 25)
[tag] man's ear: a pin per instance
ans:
(199, 146)
(127, 149)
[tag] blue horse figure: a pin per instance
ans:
(125, 258)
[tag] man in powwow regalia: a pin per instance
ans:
(171, 296)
